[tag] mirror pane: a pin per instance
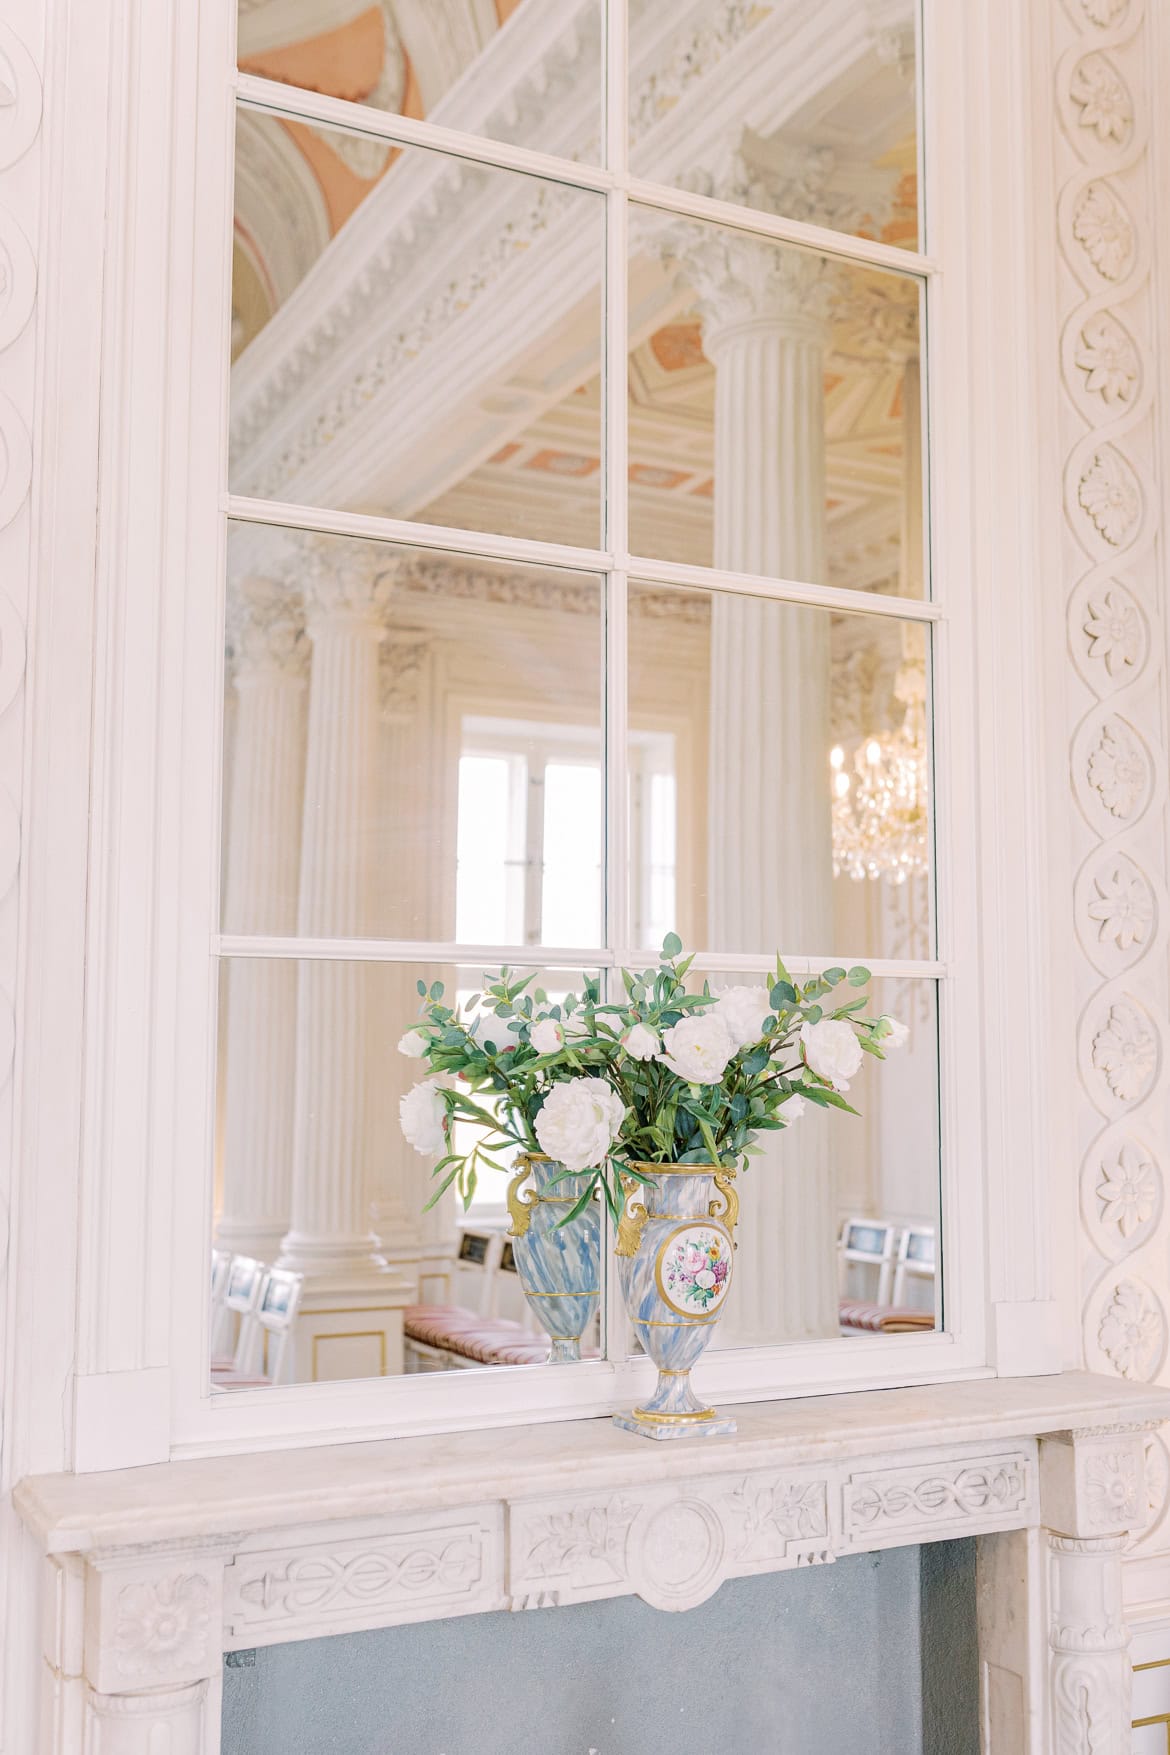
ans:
(413, 744)
(839, 1215)
(327, 1264)
(779, 777)
(805, 111)
(775, 409)
(524, 71)
(426, 345)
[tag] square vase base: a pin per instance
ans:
(719, 1426)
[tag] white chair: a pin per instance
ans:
(262, 1356)
(916, 1264)
(870, 1246)
(241, 1298)
(223, 1320)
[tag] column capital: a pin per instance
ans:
(345, 581)
(820, 185)
(265, 628)
(400, 674)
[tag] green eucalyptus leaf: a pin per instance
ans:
(858, 975)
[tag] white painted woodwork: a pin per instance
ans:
(117, 809)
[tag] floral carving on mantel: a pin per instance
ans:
(771, 1516)
(1114, 626)
(1122, 906)
(563, 1540)
(1102, 97)
(1127, 1188)
(1104, 231)
(1125, 1052)
(1113, 1488)
(1109, 359)
(1131, 1331)
(1108, 492)
(1117, 769)
(162, 1624)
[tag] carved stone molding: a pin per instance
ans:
(170, 1566)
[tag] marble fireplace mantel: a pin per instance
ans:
(155, 1572)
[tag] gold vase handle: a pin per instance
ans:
(519, 1206)
(632, 1222)
(729, 1212)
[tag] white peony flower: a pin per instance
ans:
(832, 1050)
(579, 1122)
(895, 1033)
(641, 1043)
(504, 1032)
(698, 1049)
(791, 1110)
(422, 1115)
(547, 1036)
(414, 1044)
(743, 1010)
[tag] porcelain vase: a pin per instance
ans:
(675, 1255)
(559, 1265)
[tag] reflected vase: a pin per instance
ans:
(559, 1265)
(675, 1257)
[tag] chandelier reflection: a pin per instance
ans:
(880, 811)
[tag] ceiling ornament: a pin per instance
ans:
(881, 821)
(365, 154)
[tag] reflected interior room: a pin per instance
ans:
(420, 746)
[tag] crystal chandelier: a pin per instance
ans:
(880, 814)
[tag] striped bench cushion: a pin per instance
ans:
(883, 1319)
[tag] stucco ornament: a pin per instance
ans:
(1130, 1331)
(163, 1624)
(1127, 1190)
(1104, 230)
(1115, 632)
(1122, 907)
(1109, 493)
(1117, 769)
(1124, 1050)
(1102, 97)
(1108, 358)
(1104, 12)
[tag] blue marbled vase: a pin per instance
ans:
(675, 1255)
(559, 1265)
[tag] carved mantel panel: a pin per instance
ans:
(155, 1572)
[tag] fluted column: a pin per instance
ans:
(409, 904)
(263, 856)
(764, 311)
(330, 1240)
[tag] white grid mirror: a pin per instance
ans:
(577, 591)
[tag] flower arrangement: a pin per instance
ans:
(666, 1075)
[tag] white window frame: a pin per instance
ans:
(141, 1385)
